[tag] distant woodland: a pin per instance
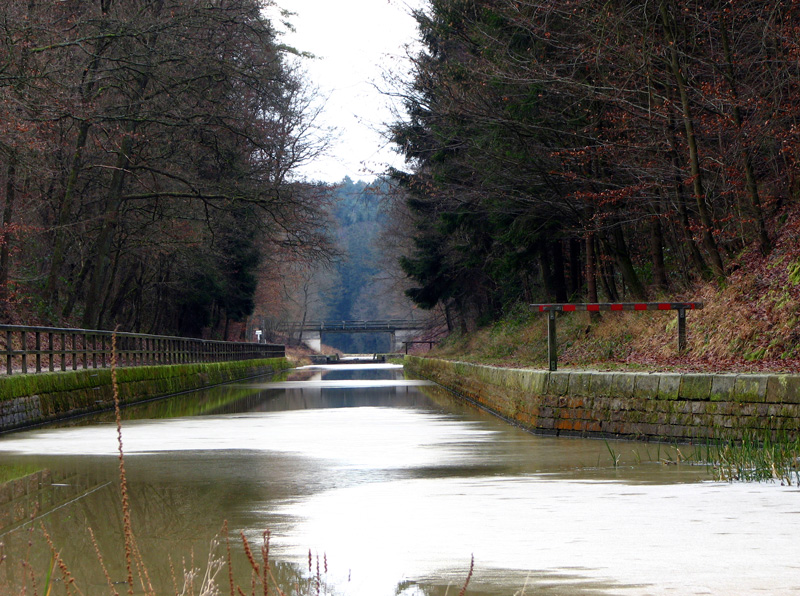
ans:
(361, 280)
(595, 151)
(146, 159)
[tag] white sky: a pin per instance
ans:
(354, 42)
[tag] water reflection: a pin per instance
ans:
(396, 486)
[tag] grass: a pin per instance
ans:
(759, 457)
(614, 456)
(756, 458)
(9, 473)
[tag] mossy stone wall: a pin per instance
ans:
(35, 398)
(650, 406)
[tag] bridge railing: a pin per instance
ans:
(28, 349)
(354, 325)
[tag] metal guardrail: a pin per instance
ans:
(38, 349)
(552, 309)
(344, 326)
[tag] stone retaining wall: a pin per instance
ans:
(27, 400)
(650, 406)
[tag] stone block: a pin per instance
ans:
(751, 388)
(783, 389)
(774, 410)
(646, 385)
(622, 384)
(558, 383)
(722, 387)
(602, 384)
(546, 423)
(580, 383)
(695, 387)
(748, 409)
(535, 381)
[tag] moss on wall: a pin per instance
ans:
(36, 398)
(662, 406)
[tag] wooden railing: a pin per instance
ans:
(38, 349)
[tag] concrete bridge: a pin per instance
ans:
(310, 332)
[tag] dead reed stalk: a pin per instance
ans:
(102, 564)
(228, 550)
(469, 576)
(123, 482)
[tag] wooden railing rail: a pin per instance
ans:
(27, 349)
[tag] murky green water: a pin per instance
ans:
(392, 488)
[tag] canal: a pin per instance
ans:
(380, 485)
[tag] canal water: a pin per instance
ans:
(378, 485)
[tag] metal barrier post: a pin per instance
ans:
(681, 330)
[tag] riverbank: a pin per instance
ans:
(676, 406)
(27, 400)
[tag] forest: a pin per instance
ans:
(360, 280)
(147, 152)
(556, 150)
(574, 150)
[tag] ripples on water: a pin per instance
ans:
(398, 486)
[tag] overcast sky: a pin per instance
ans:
(354, 42)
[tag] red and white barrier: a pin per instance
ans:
(601, 306)
(552, 309)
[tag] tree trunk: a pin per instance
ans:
(609, 285)
(559, 279)
(544, 265)
(591, 269)
(575, 277)
(622, 257)
(591, 275)
(657, 252)
(5, 238)
(102, 259)
(751, 184)
(694, 157)
(108, 294)
(683, 211)
(64, 213)
(448, 317)
(72, 296)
